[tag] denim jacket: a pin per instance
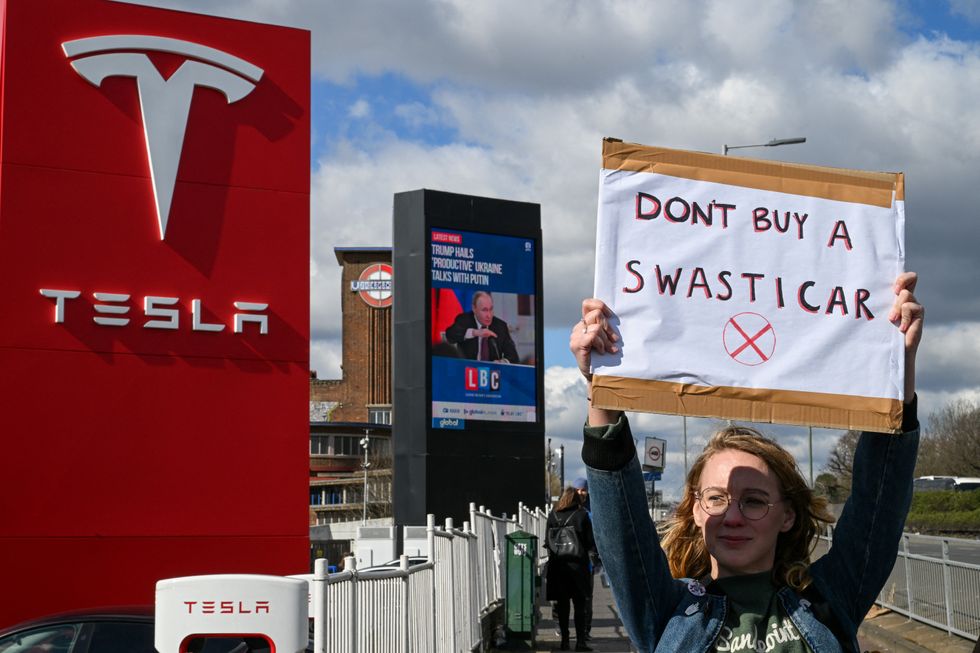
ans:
(665, 614)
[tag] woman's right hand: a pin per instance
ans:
(592, 333)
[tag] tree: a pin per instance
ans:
(841, 462)
(554, 484)
(829, 486)
(950, 446)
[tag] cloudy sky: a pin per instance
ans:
(511, 98)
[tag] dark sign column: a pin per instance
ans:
(468, 339)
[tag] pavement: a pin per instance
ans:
(883, 631)
(891, 632)
(608, 633)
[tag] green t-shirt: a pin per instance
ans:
(756, 620)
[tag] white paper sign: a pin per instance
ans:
(721, 285)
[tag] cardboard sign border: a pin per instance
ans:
(748, 404)
(856, 186)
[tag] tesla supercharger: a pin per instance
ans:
(232, 605)
(308, 579)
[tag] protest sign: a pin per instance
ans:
(749, 289)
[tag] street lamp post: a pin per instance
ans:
(366, 443)
(685, 447)
(548, 466)
(773, 143)
(561, 469)
(809, 431)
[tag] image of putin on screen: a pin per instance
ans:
(480, 336)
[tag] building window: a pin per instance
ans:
(381, 447)
(346, 445)
(326, 496)
(379, 415)
(319, 444)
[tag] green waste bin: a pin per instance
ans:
(522, 582)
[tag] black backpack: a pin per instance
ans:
(563, 541)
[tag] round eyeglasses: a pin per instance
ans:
(715, 501)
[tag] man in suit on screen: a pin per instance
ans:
(481, 336)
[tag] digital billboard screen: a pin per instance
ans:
(483, 325)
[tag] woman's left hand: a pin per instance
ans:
(908, 315)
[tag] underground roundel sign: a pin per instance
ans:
(374, 285)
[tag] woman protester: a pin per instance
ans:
(569, 542)
(732, 570)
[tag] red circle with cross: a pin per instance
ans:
(749, 339)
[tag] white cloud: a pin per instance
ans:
(360, 109)
(417, 115)
(531, 88)
(946, 367)
(326, 357)
(969, 9)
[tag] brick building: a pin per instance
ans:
(363, 394)
(347, 413)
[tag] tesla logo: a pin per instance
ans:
(227, 607)
(112, 308)
(165, 103)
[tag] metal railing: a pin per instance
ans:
(938, 591)
(941, 592)
(534, 522)
(437, 606)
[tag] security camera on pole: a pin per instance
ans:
(654, 454)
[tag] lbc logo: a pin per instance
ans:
(482, 378)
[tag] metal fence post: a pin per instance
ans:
(452, 586)
(350, 562)
(908, 573)
(430, 533)
(947, 588)
(319, 591)
(406, 598)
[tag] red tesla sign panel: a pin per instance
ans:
(154, 311)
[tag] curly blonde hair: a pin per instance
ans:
(682, 539)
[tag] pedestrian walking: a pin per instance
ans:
(581, 486)
(569, 541)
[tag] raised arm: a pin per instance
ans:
(625, 535)
(866, 539)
